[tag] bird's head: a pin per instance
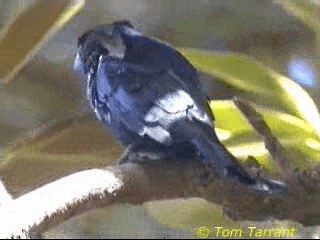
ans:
(103, 40)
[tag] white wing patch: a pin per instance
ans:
(159, 134)
(176, 102)
(174, 107)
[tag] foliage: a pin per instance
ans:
(287, 108)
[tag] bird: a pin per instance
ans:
(151, 99)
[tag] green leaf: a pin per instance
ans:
(229, 118)
(55, 151)
(245, 73)
(35, 26)
(308, 11)
(242, 141)
(191, 214)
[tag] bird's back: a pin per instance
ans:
(148, 101)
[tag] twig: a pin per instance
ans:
(271, 142)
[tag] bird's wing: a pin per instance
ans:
(150, 53)
(148, 102)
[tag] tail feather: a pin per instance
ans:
(260, 185)
(215, 155)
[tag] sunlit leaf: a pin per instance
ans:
(228, 117)
(246, 74)
(301, 153)
(243, 141)
(26, 34)
(298, 99)
(308, 11)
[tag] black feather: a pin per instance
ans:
(152, 100)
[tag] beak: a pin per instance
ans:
(77, 64)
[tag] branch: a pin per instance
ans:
(304, 181)
(136, 183)
(37, 211)
(49, 205)
(274, 147)
(54, 199)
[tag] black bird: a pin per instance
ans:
(151, 98)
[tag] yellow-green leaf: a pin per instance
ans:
(191, 214)
(248, 75)
(294, 133)
(308, 11)
(229, 118)
(25, 35)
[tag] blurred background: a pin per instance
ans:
(47, 90)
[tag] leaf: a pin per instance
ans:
(191, 214)
(244, 73)
(295, 134)
(56, 150)
(27, 33)
(308, 11)
(195, 213)
(229, 118)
